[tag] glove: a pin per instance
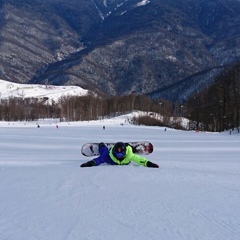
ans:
(89, 164)
(152, 165)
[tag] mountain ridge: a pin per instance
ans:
(118, 46)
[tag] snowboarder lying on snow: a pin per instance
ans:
(119, 154)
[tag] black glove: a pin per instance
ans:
(89, 164)
(152, 165)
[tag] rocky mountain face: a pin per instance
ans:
(164, 48)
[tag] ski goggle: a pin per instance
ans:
(120, 154)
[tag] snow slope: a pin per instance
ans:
(194, 195)
(10, 89)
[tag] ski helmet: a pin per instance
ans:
(119, 150)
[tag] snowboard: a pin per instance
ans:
(142, 148)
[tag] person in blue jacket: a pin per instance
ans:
(119, 154)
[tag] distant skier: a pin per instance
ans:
(119, 154)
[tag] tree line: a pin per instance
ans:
(217, 108)
(84, 108)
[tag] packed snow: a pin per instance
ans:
(53, 93)
(46, 195)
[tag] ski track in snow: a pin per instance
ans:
(194, 195)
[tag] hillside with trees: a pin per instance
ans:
(217, 108)
(86, 108)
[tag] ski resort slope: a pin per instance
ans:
(53, 93)
(194, 195)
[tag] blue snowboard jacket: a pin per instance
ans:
(106, 156)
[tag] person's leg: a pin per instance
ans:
(103, 150)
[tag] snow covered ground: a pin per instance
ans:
(10, 89)
(44, 194)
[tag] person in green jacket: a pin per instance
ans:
(119, 154)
